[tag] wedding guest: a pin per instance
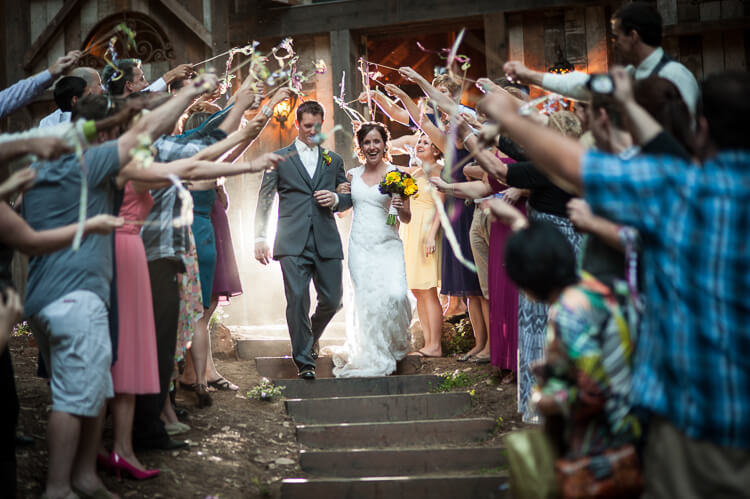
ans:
(422, 249)
(585, 379)
(546, 202)
(456, 279)
(673, 203)
(133, 80)
(637, 34)
(66, 94)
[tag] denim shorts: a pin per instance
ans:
(73, 337)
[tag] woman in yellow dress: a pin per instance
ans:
(421, 238)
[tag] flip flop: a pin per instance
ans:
(420, 353)
(480, 360)
(223, 384)
(464, 357)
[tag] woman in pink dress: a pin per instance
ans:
(136, 371)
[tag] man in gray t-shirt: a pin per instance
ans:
(68, 292)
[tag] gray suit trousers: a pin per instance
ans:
(325, 273)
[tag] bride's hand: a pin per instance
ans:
(344, 188)
(397, 202)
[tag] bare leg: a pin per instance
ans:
(123, 407)
(424, 319)
(63, 432)
(485, 353)
(477, 323)
(84, 476)
(211, 373)
(199, 349)
(434, 312)
(167, 413)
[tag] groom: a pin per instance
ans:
(307, 244)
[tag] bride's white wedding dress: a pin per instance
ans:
(377, 332)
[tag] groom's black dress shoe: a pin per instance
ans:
(315, 350)
(307, 373)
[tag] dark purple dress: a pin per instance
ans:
(227, 276)
(456, 279)
(503, 297)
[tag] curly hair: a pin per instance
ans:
(367, 127)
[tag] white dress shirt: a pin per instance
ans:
(55, 118)
(574, 84)
(308, 156)
(158, 86)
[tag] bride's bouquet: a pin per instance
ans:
(397, 183)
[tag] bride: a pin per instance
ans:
(378, 325)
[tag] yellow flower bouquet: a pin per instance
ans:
(397, 183)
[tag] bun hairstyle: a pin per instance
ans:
(663, 101)
(365, 128)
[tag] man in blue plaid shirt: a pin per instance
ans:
(692, 370)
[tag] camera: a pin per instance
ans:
(601, 83)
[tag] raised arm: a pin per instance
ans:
(442, 101)
(551, 152)
(390, 108)
(571, 84)
(436, 136)
(162, 119)
(641, 124)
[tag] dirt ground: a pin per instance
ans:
(239, 448)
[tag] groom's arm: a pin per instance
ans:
(262, 213)
(345, 200)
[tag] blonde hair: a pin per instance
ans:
(445, 80)
(566, 123)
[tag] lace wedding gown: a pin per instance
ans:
(377, 333)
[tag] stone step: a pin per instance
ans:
(284, 368)
(395, 434)
(487, 486)
(348, 387)
(379, 408)
(252, 348)
(400, 462)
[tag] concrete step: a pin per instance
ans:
(401, 462)
(379, 408)
(284, 368)
(348, 387)
(251, 348)
(395, 434)
(488, 486)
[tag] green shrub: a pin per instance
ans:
(458, 339)
(265, 391)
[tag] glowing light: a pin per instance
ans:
(281, 112)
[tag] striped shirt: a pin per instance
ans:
(691, 364)
(160, 237)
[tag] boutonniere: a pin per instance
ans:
(327, 157)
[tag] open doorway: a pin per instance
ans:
(397, 48)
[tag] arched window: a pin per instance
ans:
(151, 42)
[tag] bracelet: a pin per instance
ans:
(267, 112)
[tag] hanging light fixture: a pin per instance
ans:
(283, 109)
(562, 65)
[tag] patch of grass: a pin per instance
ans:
(21, 329)
(265, 391)
(262, 488)
(456, 379)
(458, 339)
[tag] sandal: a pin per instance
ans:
(480, 360)
(464, 357)
(223, 384)
(204, 398)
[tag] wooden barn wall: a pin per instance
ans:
(80, 23)
(707, 37)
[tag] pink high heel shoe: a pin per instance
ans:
(120, 465)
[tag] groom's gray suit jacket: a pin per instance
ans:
(298, 209)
